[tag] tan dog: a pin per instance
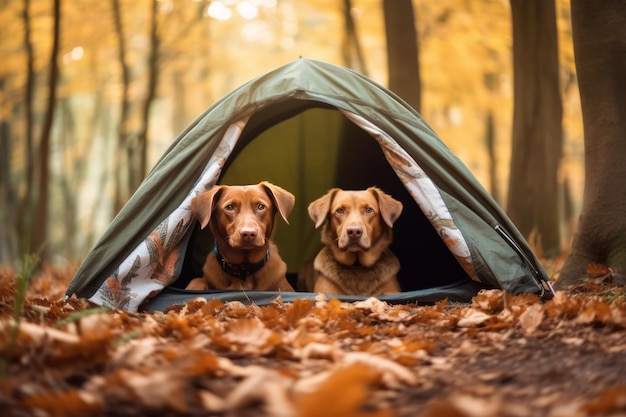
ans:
(356, 259)
(241, 219)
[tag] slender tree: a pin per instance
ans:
(140, 152)
(532, 202)
(599, 35)
(402, 51)
(76, 149)
(40, 231)
(8, 235)
(352, 52)
(491, 85)
(121, 169)
(27, 203)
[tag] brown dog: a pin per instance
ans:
(241, 219)
(356, 259)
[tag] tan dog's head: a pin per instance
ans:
(242, 215)
(358, 223)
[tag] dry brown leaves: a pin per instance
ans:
(502, 355)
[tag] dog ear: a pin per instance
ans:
(318, 209)
(283, 199)
(202, 204)
(390, 208)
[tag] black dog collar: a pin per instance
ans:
(240, 270)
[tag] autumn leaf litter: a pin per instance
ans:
(502, 355)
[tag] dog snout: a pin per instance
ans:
(354, 232)
(248, 234)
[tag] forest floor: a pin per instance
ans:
(503, 355)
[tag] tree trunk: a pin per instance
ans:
(490, 138)
(8, 235)
(179, 114)
(490, 144)
(402, 51)
(140, 151)
(352, 52)
(121, 170)
(537, 132)
(27, 201)
(40, 232)
(599, 35)
(71, 173)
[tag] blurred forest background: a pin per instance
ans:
(93, 92)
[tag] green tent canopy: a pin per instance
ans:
(309, 126)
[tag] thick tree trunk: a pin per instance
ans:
(599, 34)
(532, 202)
(402, 51)
(40, 231)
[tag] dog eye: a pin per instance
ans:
(260, 206)
(369, 209)
(229, 207)
(339, 210)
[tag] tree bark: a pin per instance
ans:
(69, 175)
(40, 231)
(532, 202)
(27, 201)
(402, 51)
(490, 144)
(140, 151)
(490, 138)
(121, 170)
(179, 114)
(352, 52)
(599, 35)
(8, 235)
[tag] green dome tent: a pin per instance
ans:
(309, 126)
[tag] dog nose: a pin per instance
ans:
(248, 234)
(354, 232)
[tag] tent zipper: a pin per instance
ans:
(542, 281)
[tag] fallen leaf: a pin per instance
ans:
(344, 393)
(158, 389)
(490, 301)
(66, 403)
(392, 373)
(562, 305)
(609, 401)
(211, 402)
(40, 333)
(473, 318)
(250, 335)
(266, 387)
(463, 405)
(596, 270)
(531, 318)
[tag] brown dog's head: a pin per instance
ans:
(357, 223)
(242, 215)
